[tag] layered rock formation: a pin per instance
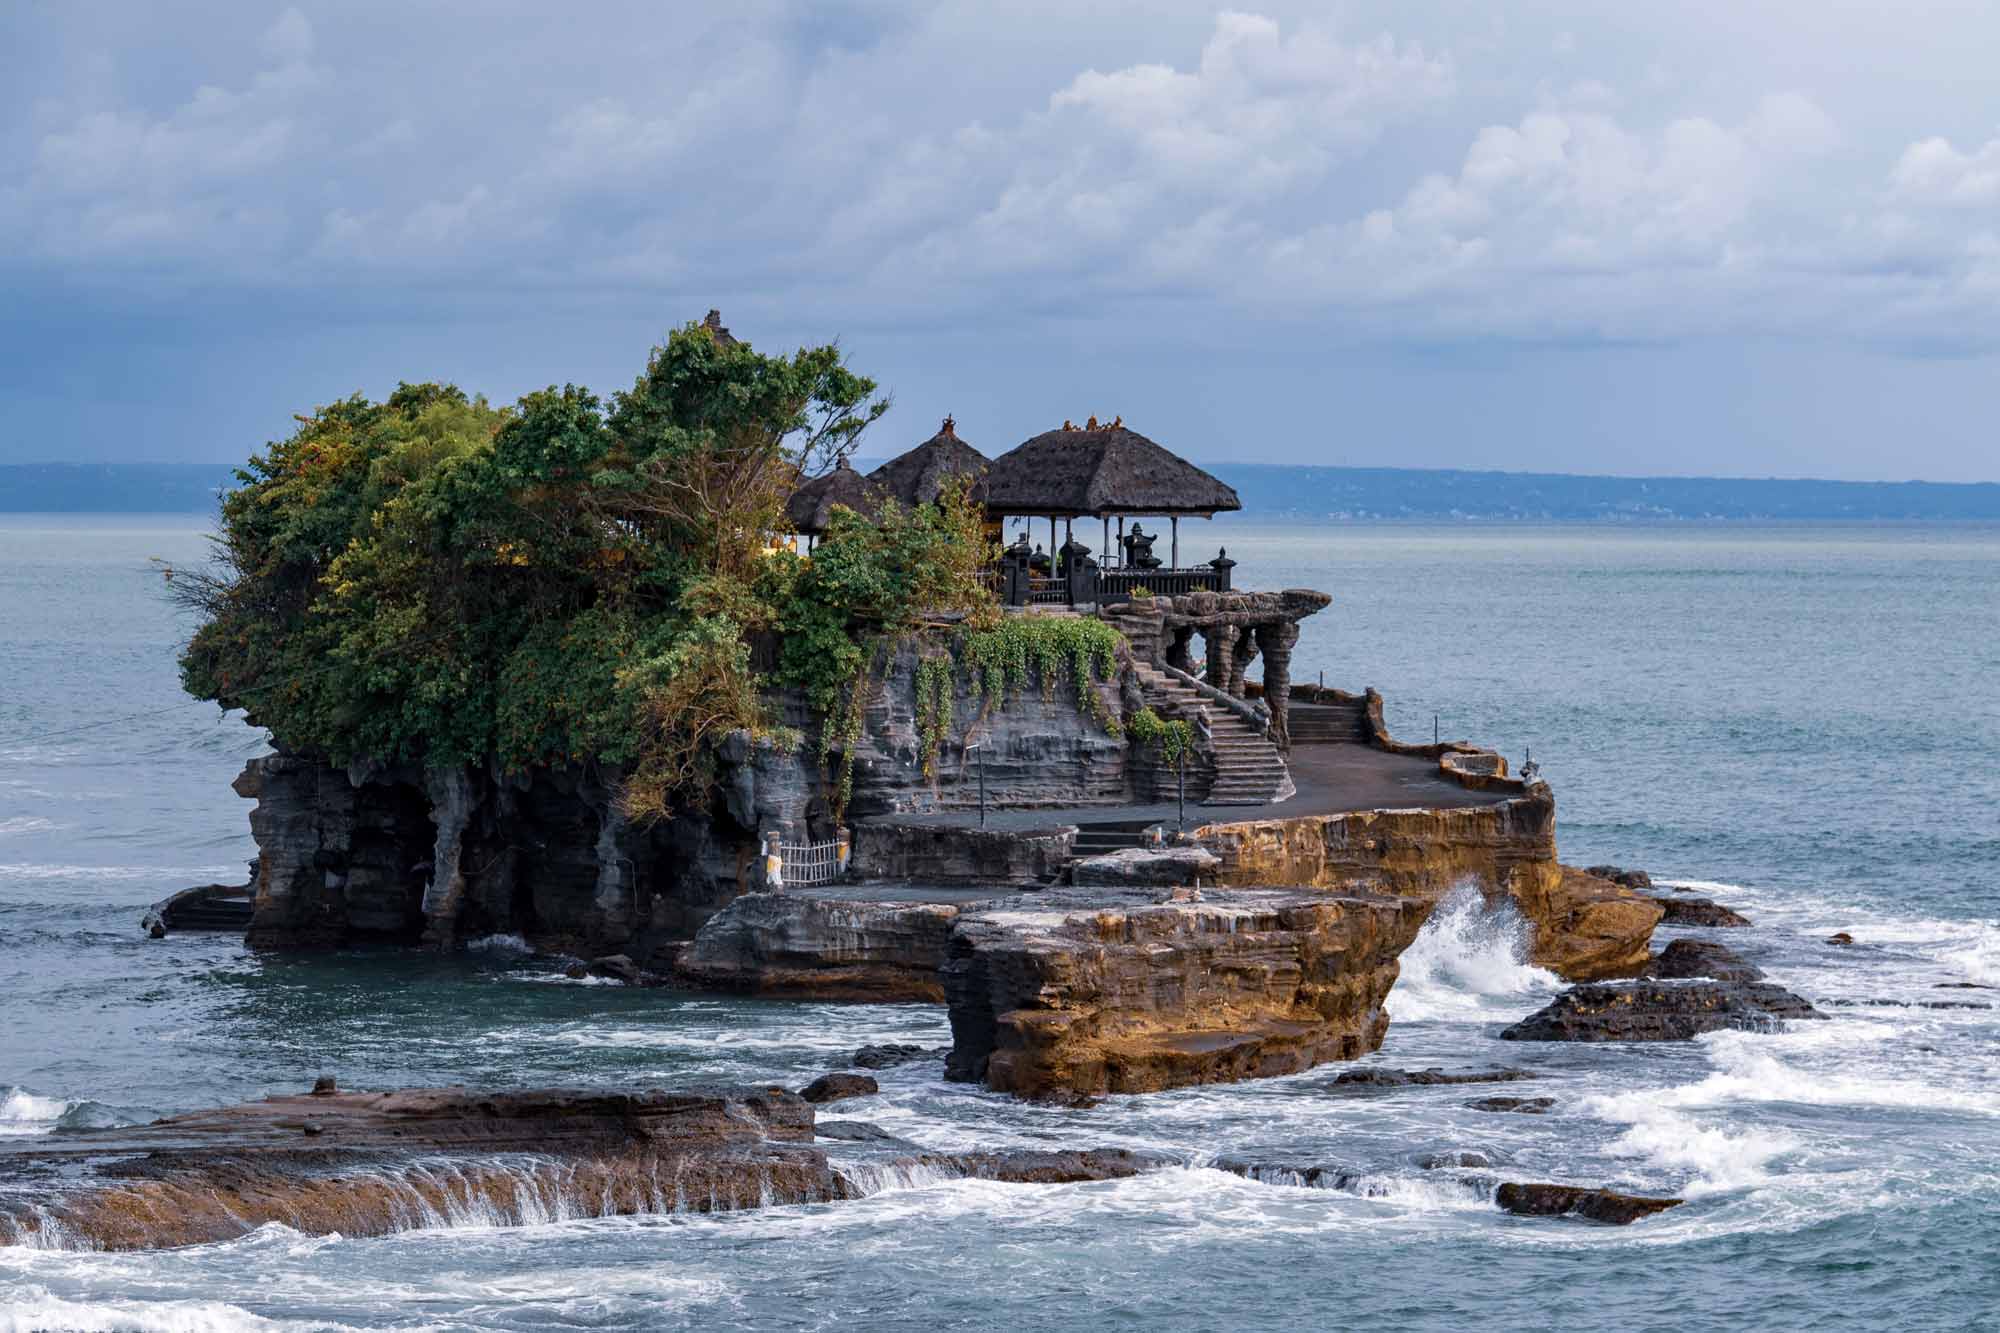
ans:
(821, 947)
(1584, 927)
(368, 1163)
(1077, 994)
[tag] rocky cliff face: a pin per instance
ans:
(1076, 993)
(1036, 750)
(1585, 927)
(443, 855)
(816, 947)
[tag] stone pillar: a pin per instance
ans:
(1276, 641)
(1221, 642)
(1177, 656)
(451, 793)
(1242, 651)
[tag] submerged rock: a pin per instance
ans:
(1520, 1105)
(1701, 958)
(1079, 993)
(890, 1054)
(1631, 879)
(1404, 1078)
(855, 1131)
(617, 967)
(1841, 938)
(1443, 1161)
(1659, 1011)
(838, 1087)
(1704, 912)
(1597, 1205)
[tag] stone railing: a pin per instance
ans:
(1255, 713)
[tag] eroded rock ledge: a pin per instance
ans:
(1075, 993)
(369, 1163)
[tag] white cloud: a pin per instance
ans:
(1932, 171)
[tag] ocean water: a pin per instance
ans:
(1804, 722)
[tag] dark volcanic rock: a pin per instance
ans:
(1444, 1161)
(1700, 958)
(890, 1054)
(1841, 938)
(1961, 985)
(617, 967)
(1163, 867)
(1530, 1200)
(1658, 1011)
(838, 1087)
(1033, 1167)
(824, 948)
(1698, 912)
(1405, 1078)
(1631, 879)
(1521, 1105)
(855, 1131)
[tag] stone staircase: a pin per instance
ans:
(1109, 835)
(1248, 768)
(1326, 724)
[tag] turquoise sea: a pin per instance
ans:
(1802, 720)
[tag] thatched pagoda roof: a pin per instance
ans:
(811, 507)
(1094, 470)
(916, 478)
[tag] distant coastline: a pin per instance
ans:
(1277, 491)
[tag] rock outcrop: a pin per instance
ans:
(838, 1088)
(1080, 992)
(369, 1163)
(1679, 910)
(1700, 958)
(1162, 867)
(911, 852)
(1659, 1011)
(1426, 1078)
(1595, 1205)
(1585, 927)
(823, 947)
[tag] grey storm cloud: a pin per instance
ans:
(1530, 201)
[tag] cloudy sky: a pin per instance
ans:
(1707, 237)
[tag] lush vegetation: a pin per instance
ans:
(1002, 656)
(435, 580)
(1175, 739)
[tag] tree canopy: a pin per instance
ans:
(434, 580)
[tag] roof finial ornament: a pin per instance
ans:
(1092, 423)
(1117, 422)
(949, 427)
(1068, 424)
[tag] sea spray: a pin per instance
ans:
(1468, 963)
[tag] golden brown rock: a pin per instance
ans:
(1081, 993)
(1585, 928)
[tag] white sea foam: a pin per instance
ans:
(23, 1112)
(1978, 958)
(24, 824)
(500, 945)
(1468, 963)
(37, 1308)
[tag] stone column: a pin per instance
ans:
(1178, 656)
(1221, 641)
(1244, 649)
(1276, 641)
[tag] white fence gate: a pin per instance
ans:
(803, 864)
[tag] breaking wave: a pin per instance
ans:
(1469, 963)
(23, 1112)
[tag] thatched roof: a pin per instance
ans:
(916, 478)
(713, 323)
(811, 507)
(1096, 469)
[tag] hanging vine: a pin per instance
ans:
(1175, 738)
(936, 685)
(843, 729)
(1048, 648)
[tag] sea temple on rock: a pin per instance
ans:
(1100, 820)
